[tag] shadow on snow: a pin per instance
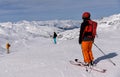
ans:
(107, 56)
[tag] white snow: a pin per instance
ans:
(33, 53)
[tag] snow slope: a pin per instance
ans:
(33, 53)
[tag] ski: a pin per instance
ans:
(91, 68)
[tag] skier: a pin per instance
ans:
(7, 47)
(54, 37)
(86, 37)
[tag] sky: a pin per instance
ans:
(42, 10)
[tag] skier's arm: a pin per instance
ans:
(81, 33)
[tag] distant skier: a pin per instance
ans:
(86, 37)
(8, 47)
(54, 37)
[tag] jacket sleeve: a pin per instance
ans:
(81, 33)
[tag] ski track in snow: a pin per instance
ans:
(41, 58)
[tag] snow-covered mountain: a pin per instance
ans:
(110, 23)
(25, 29)
(33, 54)
(66, 29)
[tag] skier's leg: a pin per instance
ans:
(85, 50)
(90, 52)
(54, 40)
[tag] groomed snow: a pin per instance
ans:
(33, 53)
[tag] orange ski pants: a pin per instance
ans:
(87, 51)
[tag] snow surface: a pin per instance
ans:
(33, 53)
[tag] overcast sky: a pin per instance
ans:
(17, 10)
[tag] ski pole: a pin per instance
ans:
(105, 54)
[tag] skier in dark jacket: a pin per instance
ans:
(54, 37)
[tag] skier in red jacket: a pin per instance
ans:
(86, 37)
